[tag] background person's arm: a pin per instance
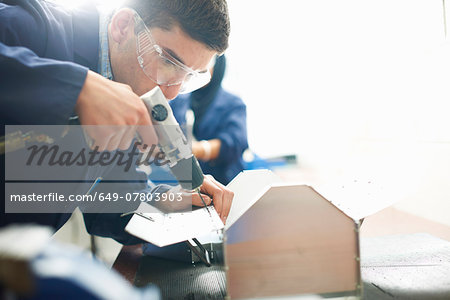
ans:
(233, 135)
(230, 138)
(207, 149)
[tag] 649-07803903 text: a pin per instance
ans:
(102, 197)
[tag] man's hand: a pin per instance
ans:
(105, 102)
(221, 195)
(210, 188)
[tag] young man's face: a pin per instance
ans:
(123, 55)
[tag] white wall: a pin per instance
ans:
(351, 86)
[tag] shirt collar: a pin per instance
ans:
(104, 64)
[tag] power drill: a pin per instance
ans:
(172, 141)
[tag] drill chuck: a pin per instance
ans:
(194, 178)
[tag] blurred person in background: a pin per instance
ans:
(216, 121)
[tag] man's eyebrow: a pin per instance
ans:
(174, 55)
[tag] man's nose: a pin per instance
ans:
(170, 92)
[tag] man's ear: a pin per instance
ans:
(122, 24)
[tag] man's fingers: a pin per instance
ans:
(115, 140)
(210, 188)
(227, 199)
(197, 201)
(104, 102)
(96, 138)
(127, 138)
(148, 136)
(145, 130)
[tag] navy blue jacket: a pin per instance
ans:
(44, 48)
(224, 119)
(45, 53)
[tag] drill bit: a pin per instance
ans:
(204, 203)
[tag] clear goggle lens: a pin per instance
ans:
(163, 68)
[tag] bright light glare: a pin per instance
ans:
(107, 4)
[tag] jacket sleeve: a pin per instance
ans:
(36, 85)
(107, 220)
(35, 90)
(113, 225)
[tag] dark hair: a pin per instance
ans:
(206, 21)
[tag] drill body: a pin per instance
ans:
(172, 141)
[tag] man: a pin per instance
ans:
(50, 57)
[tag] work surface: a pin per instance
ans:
(412, 266)
(398, 261)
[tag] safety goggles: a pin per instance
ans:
(163, 68)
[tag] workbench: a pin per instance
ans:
(398, 265)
